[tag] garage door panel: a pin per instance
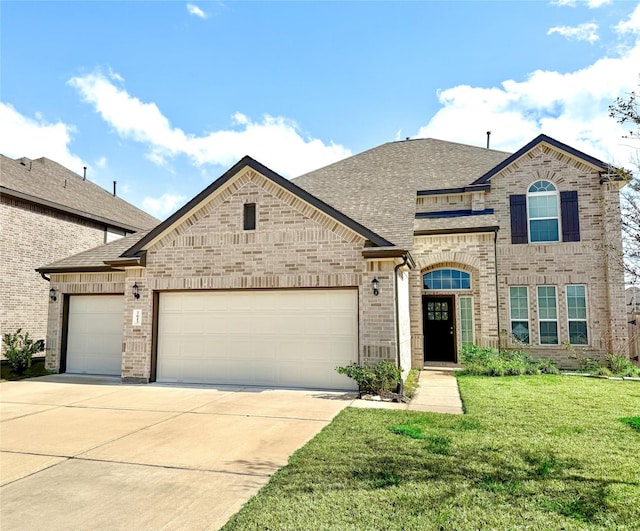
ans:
(94, 334)
(275, 337)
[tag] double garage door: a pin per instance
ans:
(291, 338)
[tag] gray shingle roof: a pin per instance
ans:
(93, 259)
(48, 183)
(378, 188)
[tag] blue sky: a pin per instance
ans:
(165, 96)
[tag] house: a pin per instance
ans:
(405, 252)
(48, 211)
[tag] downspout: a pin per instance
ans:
(48, 279)
(397, 307)
(495, 268)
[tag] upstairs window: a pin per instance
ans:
(446, 279)
(543, 212)
(249, 216)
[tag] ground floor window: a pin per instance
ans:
(577, 315)
(465, 305)
(519, 310)
(548, 315)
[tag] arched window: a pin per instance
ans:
(543, 210)
(446, 279)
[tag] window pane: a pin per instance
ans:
(519, 303)
(547, 302)
(545, 206)
(466, 320)
(520, 330)
(576, 302)
(447, 279)
(548, 333)
(543, 230)
(542, 186)
(578, 333)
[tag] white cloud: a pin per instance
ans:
(583, 32)
(571, 107)
(164, 205)
(21, 136)
(101, 162)
(274, 141)
(632, 24)
(196, 11)
(591, 4)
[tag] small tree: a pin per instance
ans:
(20, 349)
(626, 111)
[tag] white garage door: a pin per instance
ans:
(94, 338)
(291, 338)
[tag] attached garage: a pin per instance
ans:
(291, 338)
(94, 334)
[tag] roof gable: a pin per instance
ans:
(540, 139)
(192, 208)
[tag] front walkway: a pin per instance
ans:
(437, 393)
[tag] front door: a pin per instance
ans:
(438, 322)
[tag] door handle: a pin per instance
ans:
(451, 330)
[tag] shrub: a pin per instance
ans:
(621, 366)
(411, 383)
(382, 377)
(20, 349)
(493, 362)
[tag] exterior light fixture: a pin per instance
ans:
(52, 295)
(374, 286)
(136, 290)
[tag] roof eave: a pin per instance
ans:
(69, 210)
(539, 140)
(76, 269)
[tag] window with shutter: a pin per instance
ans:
(518, 208)
(570, 217)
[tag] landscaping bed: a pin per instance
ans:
(532, 452)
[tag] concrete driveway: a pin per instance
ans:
(81, 452)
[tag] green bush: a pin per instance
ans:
(488, 361)
(382, 377)
(411, 383)
(621, 366)
(20, 349)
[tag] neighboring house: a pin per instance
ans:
(405, 252)
(48, 211)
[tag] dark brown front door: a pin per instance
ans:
(438, 321)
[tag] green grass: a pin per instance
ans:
(36, 369)
(532, 452)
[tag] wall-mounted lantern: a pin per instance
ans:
(52, 295)
(374, 286)
(136, 290)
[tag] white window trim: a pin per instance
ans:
(540, 320)
(585, 320)
(470, 297)
(558, 207)
(511, 319)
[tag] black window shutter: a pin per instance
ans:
(570, 218)
(518, 206)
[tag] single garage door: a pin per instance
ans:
(94, 334)
(289, 338)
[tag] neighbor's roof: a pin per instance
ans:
(378, 188)
(50, 184)
(94, 259)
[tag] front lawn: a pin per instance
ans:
(532, 452)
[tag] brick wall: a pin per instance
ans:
(593, 261)
(293, 246)
(32, 236)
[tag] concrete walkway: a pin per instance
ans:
(437, 393)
